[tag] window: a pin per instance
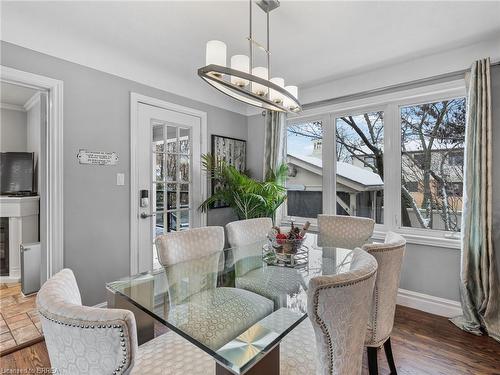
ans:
(399, 160)
(360, 165)
(437, 131)
(171, 178)
(305, 169)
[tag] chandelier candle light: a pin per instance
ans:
(244, 82)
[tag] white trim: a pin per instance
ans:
(102, 305)
(135, 99)
(32, 101)
(12, 107)
(54, 178)
(430, 304)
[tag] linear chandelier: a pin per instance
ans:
(244, 82)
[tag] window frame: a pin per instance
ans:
(390, 103)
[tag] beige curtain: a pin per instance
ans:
(274, 141)
(479, 292)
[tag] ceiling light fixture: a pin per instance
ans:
(244, 82)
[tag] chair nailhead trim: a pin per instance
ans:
(320, 321)
(86, 326)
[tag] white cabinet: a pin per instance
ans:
(23, 228)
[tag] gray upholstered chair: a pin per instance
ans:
(331, 340)
(274, 283)
(389, 256)
(344, 231)
(88, 340)
(192, 260)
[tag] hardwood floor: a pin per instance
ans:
(423, 344)
(19, 322)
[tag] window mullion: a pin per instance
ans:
(392, 168)
(329, 165)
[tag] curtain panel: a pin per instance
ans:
(479, 290)
(274, 141)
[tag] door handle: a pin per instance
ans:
(145, 215)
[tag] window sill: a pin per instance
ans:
(420, 239)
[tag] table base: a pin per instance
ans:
(269, 365)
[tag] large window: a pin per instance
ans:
(305, 169)
(360, 165)
(432, 148)
(398, 160)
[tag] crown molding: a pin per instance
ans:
(32, 101)
(12, 107)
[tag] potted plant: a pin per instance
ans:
(249, 198)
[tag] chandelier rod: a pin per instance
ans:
(268, 49)
(251, 39)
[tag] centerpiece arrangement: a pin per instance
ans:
(287, 248)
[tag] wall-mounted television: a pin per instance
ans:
(16, 173)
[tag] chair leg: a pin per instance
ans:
(388, 355)
(372, 361)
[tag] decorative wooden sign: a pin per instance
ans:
(97, 157)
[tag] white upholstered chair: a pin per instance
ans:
(85, 340)
(344, 231)
(192, 260)
(245, 232)
(389, 256)
(331, 341)
(274, 283)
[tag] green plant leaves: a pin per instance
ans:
(247, 197)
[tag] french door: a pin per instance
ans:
(169, 178)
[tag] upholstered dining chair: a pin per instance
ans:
(331, 340)
(84, 340)
(344, 231)
(274, 283)
(192, 261)
(245, 232)
(389, 256)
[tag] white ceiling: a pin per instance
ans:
(14, 94)
(311, 41)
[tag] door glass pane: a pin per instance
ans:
(184, 195)
(171, 139)
(360, 165)
(158, 198)
(171, 196)
(184, 167)
(171, 167)
(184, 216)
(432, 164)
(158, 166)
(158, 138)
(184, 141)
(171, 218)
(305, 170)
(159, 224)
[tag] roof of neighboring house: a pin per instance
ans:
(361, 176)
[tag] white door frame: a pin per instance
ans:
(53, 189)
(135, 100)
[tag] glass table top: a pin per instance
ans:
(237, 304)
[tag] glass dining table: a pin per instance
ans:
(236, 305)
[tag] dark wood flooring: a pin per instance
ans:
(422, 344)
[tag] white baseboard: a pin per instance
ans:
(433, 305)
(102, 305)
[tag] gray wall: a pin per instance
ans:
(13, 130)
(255, 146)
(96, 117)
(495, 101)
